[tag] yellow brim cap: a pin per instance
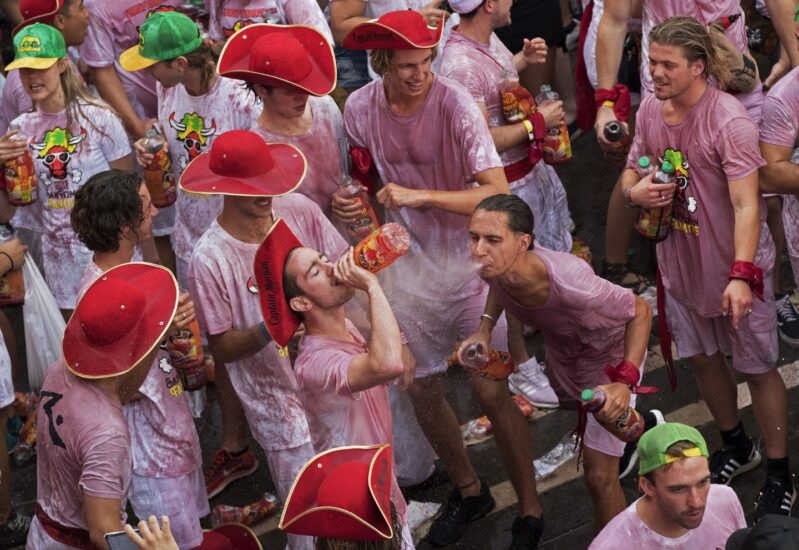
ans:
(132, 61)
(32, 63)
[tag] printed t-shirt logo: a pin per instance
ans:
(684, 218)
(193, 132)
(237, 26)
(55, 151)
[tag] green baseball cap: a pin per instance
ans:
(37, 46)
(654, 443)
(163, 36)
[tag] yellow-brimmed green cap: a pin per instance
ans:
(654, 443)
(163, 36)
(37, 46)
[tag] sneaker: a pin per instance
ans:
(630, 457)
(531, 383)
(526, 533)
(788, 321)
(725, 466)
(226, 468)
(247, 515)
(450, 524)
(15, 531)
(777, 497)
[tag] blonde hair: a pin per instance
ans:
(694, 39)
(204, 57)
(381, 60)
(76, 95)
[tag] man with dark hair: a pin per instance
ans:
(680, 508)
(112, 213)
(587, 323)
(719, 252)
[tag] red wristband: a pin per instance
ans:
(627, 373)
(619, 96)
(751, 273)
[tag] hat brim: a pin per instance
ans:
(40, 63)
(279, 319)
(86, 359)
(240, 536)
(374, 35)
(234, 61)
(302, 516)
(42, 18)
(132, 61)
(285, 177)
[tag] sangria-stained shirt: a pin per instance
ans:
(228, 16)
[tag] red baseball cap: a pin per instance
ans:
(37, 11)
(241, 163)
(395, 30)
(279, 319)
(343, 493)
(294, 57)
(119, 320)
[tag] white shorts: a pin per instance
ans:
(599, 439)
(184, 499)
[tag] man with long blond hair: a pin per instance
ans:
(719, 253)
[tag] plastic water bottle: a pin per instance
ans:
(20, 174)
(655, 223)
(366, 223)
(12, 285)
(557, 145)
(158, 175)
(628, 427)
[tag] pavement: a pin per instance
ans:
(567, 508)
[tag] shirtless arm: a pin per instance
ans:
(609, 46)
(782, 12)
(780, 175)
(235, 345)
(102, 516)
(737, 297)
(346, 14)
(636, 333)
(493, 310)
(490, 182)
(111, 90)
(509, 135)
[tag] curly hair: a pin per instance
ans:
(106, 204)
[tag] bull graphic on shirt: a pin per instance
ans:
(685, 204)
(237, 26)
(160, 9)
(194, 134)
(55, 150)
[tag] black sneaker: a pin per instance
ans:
(450, 524)
(777, 497)
(630, 457)
(725, 465)
(526, 533)
(15, 531)
(788, 321)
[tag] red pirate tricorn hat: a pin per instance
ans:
(241, 163)
(231, 536)
(343, 493)
(395, 30)
(280, 320)
(37, 11)
(295, 57)
(119, 320)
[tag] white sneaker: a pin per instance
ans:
(531, 383)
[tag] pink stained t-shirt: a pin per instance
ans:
(321, 145)
(779, 123)
(191, 124)
(583, 321)
(83, 447)
(226, 297)
(163, 438)
(64, 158)
(113, 29)
(717, 143)
(706, 12)
(442, 146)
(723, 516)
(228, 16)
(336, 416)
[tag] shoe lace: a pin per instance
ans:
(20, 523)
(786, 309)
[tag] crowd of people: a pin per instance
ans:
(204, 169)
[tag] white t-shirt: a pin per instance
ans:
(723, 516)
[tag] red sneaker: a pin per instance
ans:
(247, 515)
(226, 468)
